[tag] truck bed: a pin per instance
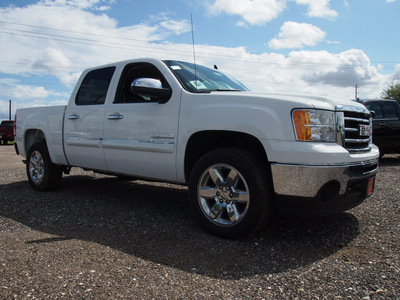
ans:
(48, 119)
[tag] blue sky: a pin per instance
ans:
(317, 47)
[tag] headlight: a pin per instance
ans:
(314, 125)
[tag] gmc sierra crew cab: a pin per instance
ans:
(244, 156)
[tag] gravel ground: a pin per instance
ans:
(100, 238)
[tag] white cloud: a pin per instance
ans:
(24, 95)
(334, 42)
(396, 74)
(297, 35)
(340, 70)
(318, 8)
(259, 12)
(176, 27)
(21, 92)
(25, 92)
(52, 59)
(254, 12)
(80, 4)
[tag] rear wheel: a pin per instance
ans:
(231, 192)
(43, 175)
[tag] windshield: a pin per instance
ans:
(7, 123)
(203, 80)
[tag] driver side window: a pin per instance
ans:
(139, 75)
(376, 107)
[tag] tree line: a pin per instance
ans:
(392, 92)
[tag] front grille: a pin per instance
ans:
(354, 141)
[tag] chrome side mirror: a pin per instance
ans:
(151, 87)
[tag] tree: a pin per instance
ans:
(392, 92)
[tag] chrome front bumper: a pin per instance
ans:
(309, 180)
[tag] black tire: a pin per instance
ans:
(231, 192)
(43, 175)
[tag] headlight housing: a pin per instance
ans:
(314, 125)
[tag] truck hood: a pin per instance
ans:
(294, 101)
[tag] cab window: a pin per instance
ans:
(94, 87)
(377, 108)
(140, 74)
(391, 112)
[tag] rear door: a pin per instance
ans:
(84, 120)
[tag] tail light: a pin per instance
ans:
(15, 125)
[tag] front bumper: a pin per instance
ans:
(322, 189)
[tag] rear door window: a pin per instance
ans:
(94, 87)
(391, 111)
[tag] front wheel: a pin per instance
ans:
(231, 192)
(43, 175)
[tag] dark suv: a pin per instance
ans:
(386, 124)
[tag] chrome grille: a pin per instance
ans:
(354, 121)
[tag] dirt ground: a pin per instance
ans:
(97, 237)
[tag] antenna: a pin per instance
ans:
(194, 54)
(356, 92)
(9, 110)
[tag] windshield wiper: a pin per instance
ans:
(227, 90)
(217, 90)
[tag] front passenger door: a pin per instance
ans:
(140, 129)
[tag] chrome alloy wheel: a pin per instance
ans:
(223, 195)
(36, 167)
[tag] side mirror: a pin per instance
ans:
(151, 88)
(373, 113)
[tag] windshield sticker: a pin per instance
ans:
(175, 67)
(198, 85)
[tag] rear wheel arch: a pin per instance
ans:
(42, 174)
(33, 136)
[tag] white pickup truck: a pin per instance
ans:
(244, 156)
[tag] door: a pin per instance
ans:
(140, 129)
(391, 124)
(379, 128)
(386, 124)
(84, 121)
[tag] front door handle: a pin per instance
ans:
(115, 117)
(73, 117)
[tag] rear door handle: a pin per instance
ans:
(382, 124)
(115, 117)
(73, 117)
